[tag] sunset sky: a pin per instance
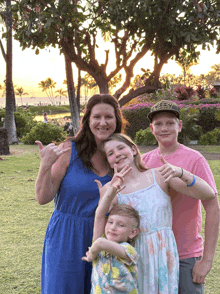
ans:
(29, 69)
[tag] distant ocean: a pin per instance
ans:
(39, 101)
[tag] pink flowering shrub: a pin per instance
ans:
(204, 115)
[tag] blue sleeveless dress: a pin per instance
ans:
(158, 263)
(69, 233)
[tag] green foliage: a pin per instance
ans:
(210, 138)
(186, 61)
(190, 129)
(133, 28)
(145, 137)
(24, 121)
(2, 116)
(202, 101)
(207, 119)
(137, 119)
(46, 133)
(49, 108)
(196, 121)
(217, 114)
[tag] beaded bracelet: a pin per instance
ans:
(181, 174)
(193, 182)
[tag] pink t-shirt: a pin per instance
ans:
(187, 217)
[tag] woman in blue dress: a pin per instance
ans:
(67, 175)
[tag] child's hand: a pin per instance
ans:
(116, 181)
(169, 171)
(118, 177)
(89, 256)
(102, 189)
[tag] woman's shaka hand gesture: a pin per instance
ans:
(50, 153)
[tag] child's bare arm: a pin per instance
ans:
(186, 183)
(102, 244)
(105, 202)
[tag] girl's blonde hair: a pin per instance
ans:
(129, 211)
(125, 139)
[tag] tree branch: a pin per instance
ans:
(134, 93)
(129, 70)
(106, 58)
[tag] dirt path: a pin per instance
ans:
(207, 155)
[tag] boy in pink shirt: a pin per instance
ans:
(195, 261)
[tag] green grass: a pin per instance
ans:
(212, 285)
(24, 222)
(211, 149)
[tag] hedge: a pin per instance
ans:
(204, 118)
(136, 115)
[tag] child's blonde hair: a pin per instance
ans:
(129, 211)
(125, 139)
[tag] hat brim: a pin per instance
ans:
(153, 113)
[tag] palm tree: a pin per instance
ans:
(20, 92)
(44, 87)
(47, 86)
(50, 85)
(61, 93)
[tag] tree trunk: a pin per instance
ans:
(10, 99)
(5, 58)
(71, 93)
(104, 89)
(78, 89)
(103, 85)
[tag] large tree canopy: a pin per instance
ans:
(134, 27)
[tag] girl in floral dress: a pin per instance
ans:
(114, 259)
(147, 190)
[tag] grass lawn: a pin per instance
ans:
(211, 149)
(24, 222)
